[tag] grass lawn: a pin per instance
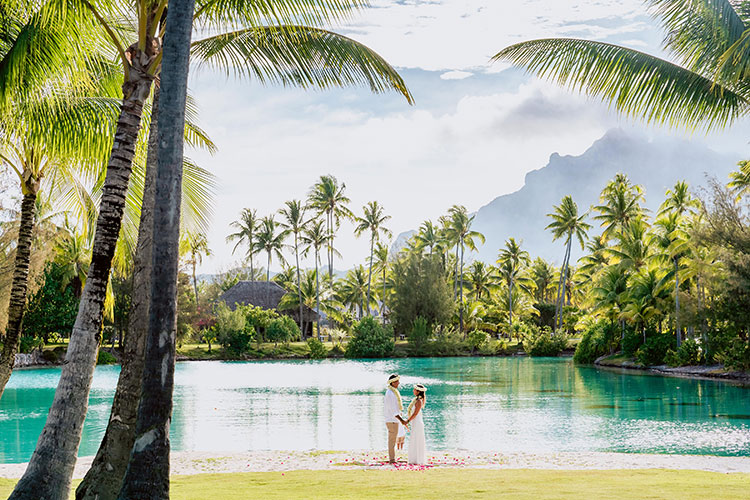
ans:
(459, 484)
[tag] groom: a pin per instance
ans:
(392, 413)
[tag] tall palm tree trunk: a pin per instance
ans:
(317, 292)
(195, 284)
(677, 331)
(104, 478)
(18, 288)
(369, 276)
(455, 275)
(147, 476)
(252, 268)
(561, 289)
(299, 287)
(382, 302)
(510, 305)
(50, 469)
(461, 293)
(330, 244)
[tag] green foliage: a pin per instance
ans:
(420, 333)
(448, 342)
(105, 358)
(317, 349)
(736, 356)
(337, 351)
(688, 354)
(370, 340)
(632, 341)
(654, 350)
(599, 339)
(259, 319)
(478, 339)
(544, 343)
(209, 336)
(420, 290)
(282, 329)
(232, 331)
(53, 307)
(29, 344)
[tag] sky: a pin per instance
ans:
(474, 132)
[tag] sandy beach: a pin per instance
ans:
(192, 462)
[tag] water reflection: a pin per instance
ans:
(473, 403)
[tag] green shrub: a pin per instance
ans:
(336, 351)
(236, 343)
(718, 342)
(447, 342)
(736, 356)
(632, 341)
(501, 348)
(370, 340)
(654, 350)
(282, 329)
(105, 358)
(420, 333)
(478, 340)
(317, 349)
(29, 344)
(688, 354)
(544, 343)
(50, 356)
(599, 339)
(232, 331)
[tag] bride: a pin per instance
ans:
(416, 440)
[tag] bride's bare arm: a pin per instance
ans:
(417, 408)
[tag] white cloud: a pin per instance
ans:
(456, 75)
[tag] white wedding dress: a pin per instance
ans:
(417, 445)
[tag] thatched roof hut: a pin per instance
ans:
(266, 294)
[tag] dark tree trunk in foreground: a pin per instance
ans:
(104, 479)
(18, 288)
(147, 476)
(50, 470)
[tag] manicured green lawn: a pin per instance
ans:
(459, 484)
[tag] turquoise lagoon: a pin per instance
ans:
(484, 404)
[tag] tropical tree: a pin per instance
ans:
(740, 179)
(328, 198)
(510, 262)
(373, 222)
(381, 264)
(459, 229)
(314, 237)
(620, 203)
(270, 239)
(542, 273)
(647, 298)
(481, 280)
(705, 86)
(247, 228)
(429, 236)
(293, 221)
(634, 248)
(196, 246)
(610, 293)
(566, 223)
(352, 290)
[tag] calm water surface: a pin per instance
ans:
(473, 403)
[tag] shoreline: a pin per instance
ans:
(189, 463)
(700, 372)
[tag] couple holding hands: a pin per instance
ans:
(397, 425)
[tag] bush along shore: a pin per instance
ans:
(616, 345)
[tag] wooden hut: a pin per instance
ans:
(267, 294)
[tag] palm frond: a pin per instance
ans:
(635, 83)
(298, 56)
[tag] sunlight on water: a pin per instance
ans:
(473, 403)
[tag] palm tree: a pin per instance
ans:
(510, 261)
(270, 241)
(568, 224)
(147, 474)
(740, 180)
(481, 280)
(381, 263)
(429, 236)
(620, 203)
(247, 227)
(196, 246)
(634, 248)
(542, 274)
(315, 236)
(328, 198)
(610, 292)
(294, 214)
(649, 292)
(352, 290)
(706, 86)
(595, 260)
(373, 221)
(460, 229)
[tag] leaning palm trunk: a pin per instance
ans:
(18, 289)
(510, 306)
(382, 303)
(317, 292)
(561, 289)
(104, 478)
(50, 469)
(147, 475)
(299, 287)
(461, 294)
(677, 331)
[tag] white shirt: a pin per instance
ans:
(390, 408)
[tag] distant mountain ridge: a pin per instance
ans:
(655, 165)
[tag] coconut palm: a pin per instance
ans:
(315, 237)
(481, 280)
(542, 274)
(705, 86)
(352, 290)
(429, 236)
(566, 223)
(647, 297)
(328, 198)
(620, 203)
(459, 229)
(247, 227)
(610, 292)
(595, 260)
(293, 220)
(634, 248)
(381, 264)
(672, 240)
(510, 262)
(270, 239)
(373, 222)
(196, 247)
(740, 179)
